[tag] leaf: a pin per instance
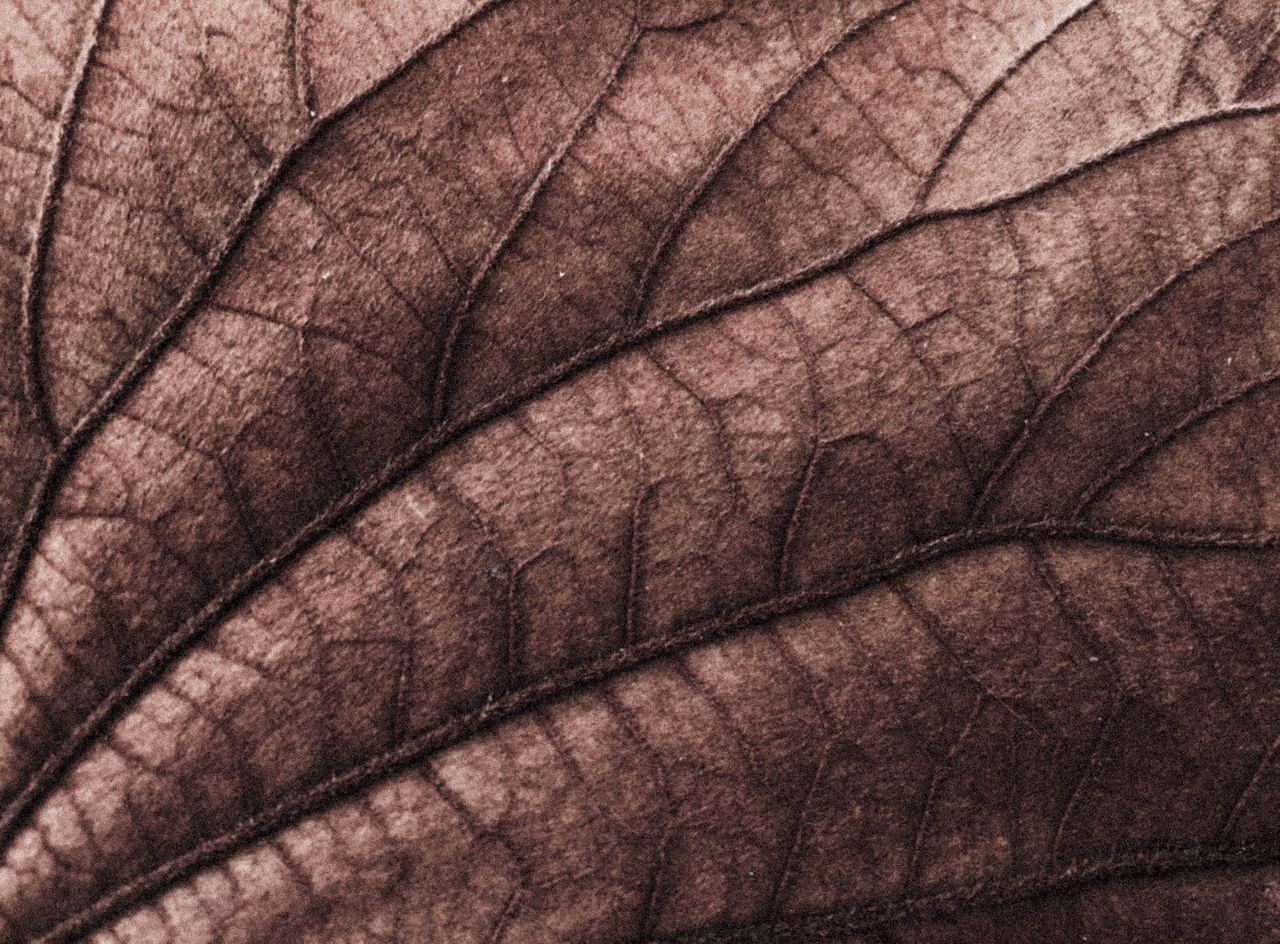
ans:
(601, 472)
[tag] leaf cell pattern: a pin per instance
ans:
(745, 471)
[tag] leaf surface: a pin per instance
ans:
(559, 472)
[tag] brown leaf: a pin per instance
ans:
(533, 470)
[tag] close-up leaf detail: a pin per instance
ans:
(562, 472)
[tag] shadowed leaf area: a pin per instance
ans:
(545, 472)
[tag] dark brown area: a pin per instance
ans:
(546, 471)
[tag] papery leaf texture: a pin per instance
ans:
(627, 471)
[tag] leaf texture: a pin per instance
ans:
(723, 472)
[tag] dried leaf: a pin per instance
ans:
(544, 471)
